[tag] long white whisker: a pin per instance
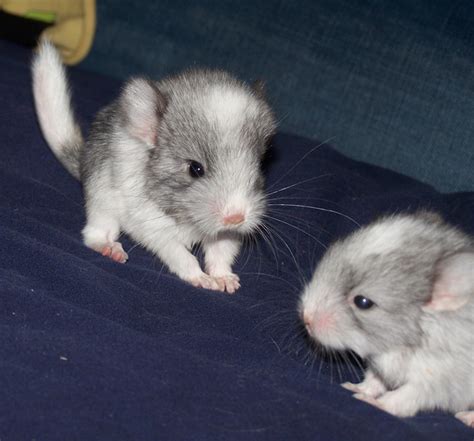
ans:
(294, 287)
(350, 366)
(357, 362)
(302, 159)
(279, 235)
(303, 222)
(289, 198)
(297, 183)
(297, 228)
(310, 207)
(268, 238)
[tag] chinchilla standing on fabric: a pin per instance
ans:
(400, 293)
(172, 163)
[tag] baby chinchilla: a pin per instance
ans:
(172, 163)
(400, 293)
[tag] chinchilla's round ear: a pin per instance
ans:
(454, 283)
(265, 125)
(143, 106)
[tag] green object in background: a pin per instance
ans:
(69, 24)
(20, 29)
(46, 17)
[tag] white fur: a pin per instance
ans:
(119, 205)
(122, 205)
(115, 190)
(220, 255)
(53, 100)
(385, 237)
(227, 107)
(437, 372)
(236, 203)
(423, 376)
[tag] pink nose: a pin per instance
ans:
(233, 219)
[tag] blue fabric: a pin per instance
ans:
(389, 82)
(95, 350)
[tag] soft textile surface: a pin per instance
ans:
(95, 350)
(391, 81)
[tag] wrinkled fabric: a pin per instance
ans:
(96, 350)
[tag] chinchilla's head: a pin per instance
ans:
(206, 135)
(370, 291)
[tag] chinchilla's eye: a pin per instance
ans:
(363, 302)
(196, 170)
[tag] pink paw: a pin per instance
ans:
(467, 417)
(371, 386)
(229, 283)
(114, 251)
(205, 281)
(370, 400)
(352, 387)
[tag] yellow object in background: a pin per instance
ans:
(72, 23)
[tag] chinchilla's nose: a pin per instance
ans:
(234, 219)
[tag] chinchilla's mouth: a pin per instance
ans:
(211, 228)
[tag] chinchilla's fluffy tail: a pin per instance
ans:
(53, 107)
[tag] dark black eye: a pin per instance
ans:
(196, 170)
(363, 302)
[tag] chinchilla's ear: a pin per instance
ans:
(259, 88)
(454, 283)
(143, 106)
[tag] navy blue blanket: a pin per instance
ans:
(95, 350)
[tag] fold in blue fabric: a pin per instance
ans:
(95, 350)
